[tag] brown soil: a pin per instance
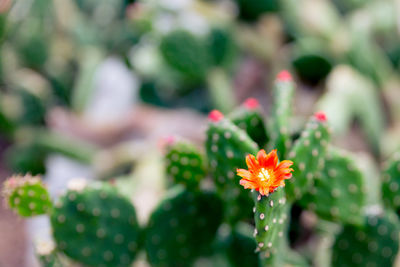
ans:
(12, 232)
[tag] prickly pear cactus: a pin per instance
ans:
(95, 226)
(391, 183)
(227, 146)
(338, 193)
(375, 244)
(308, 153)
(27, 195)
(282, 110)
(270, 215)
(182, 227)
(185, 164)
(248, 117)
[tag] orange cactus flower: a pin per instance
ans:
(264, 174)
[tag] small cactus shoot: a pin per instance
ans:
(226, 146)
(185, 164)
(248, 117)
(309, 154)
(283, 94)
(27, 195)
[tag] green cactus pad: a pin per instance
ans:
(251, 10)
(270, 215)
(289, 257)
(376, 244)
(312, 67)
(185, 53)
(248, 117)
(26, 158)
(338, 193)
(308, 156)
(27, 195)
(33, 107)
(95, 226)
(391, 183)
(311, 59)
(185, 164)
(242, 246)
(34, 49)
(182, 227)
(227, 147)
(283, 93)
(222, 47)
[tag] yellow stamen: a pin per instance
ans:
(264, 175)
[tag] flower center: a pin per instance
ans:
(264, 175)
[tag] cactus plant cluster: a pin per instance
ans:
(96, 226)
(218, 194)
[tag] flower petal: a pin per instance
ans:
(285, 164)
(262, 157)
(247, 184)
(252, 163)
(271, 160)
(244, 173)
